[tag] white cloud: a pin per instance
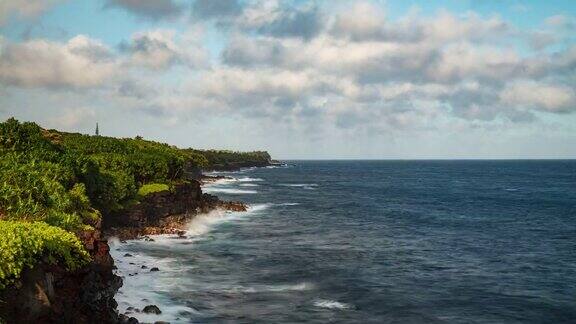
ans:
(275, 18)
(159, 49)
(80, 62)
(23, 9)
(72, 118)
(548, 97)
(149, 9)
(316, 71)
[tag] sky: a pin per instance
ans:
(443, 79)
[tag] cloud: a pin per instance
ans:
(73, 118)
(80, 62)
(534, 95)
(539, 40)
(361, 22)
(371, 67)
(351, 69)
(148, 9)
(261, 89)
(23, 9)
(206, 9)
(559, 21)
(159, 49)
(274, 19)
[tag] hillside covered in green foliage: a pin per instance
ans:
(224, 159)
(62, 183)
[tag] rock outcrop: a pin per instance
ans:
(234, 166)
(165, 212)
(51, 294)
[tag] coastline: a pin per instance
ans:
(50, 293)
(174, 227)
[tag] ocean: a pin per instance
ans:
(370, 242)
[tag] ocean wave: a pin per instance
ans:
(141, 287)
(277, 166)
(249, 185)
(331, 304)
(229, 190)
(288, 204)
(257, 208)
(308, 186)
(303, 286)
(248, 179)
(203, 223)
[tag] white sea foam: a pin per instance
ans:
(271, 288)
(229, 190)
(141, 287)
(307, 186)
(289, 204)
(277, 166)
(331, 304)
(249, 185)
(248, 179)
(203, 223)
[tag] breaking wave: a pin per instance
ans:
(229, 190)
(331, 304)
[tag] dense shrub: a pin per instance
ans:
(147, 161)
(26, 137)
(53, 184)
(39, 190)
(22, 244)
(152, 188)
(223, 157)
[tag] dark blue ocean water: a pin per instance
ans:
(374, 242)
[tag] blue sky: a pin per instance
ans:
(302, 79)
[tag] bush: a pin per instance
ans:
(41, 190)
(23, 244)
(223, 157)
(152, 188)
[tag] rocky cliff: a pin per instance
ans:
(165, 212)
(50, 294)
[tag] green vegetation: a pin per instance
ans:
(68, 181)
(55, 184)
(22, 244)
(217, 158)
(152, 188)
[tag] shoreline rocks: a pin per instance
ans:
(165, 212)
(51, 294)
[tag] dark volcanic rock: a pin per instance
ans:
(152, 309)
(123, 319)
(51, 294)
(154, 269)
(160, 208)
(165, 212)
(234, 166)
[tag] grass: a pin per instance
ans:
(152, 188)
